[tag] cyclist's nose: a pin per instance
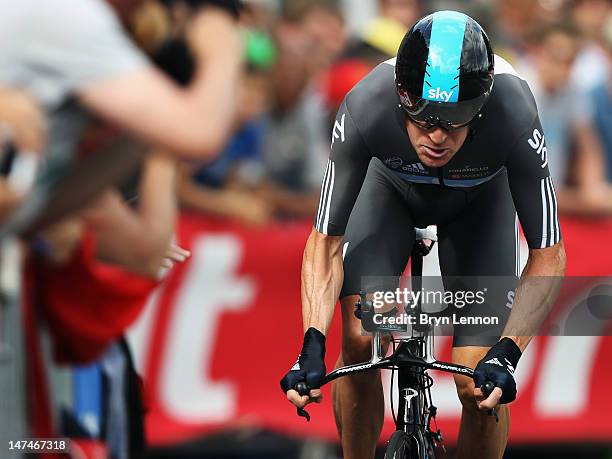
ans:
(438, 135)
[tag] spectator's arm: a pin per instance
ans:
(21, 120)
(233, 203)
(292, 203)
(9, 200)
(194, 121)
(138, 239)
(22, 124)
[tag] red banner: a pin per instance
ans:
(216, 338)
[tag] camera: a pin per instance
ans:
(231, 6)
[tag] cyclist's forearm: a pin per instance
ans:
(322, 278)
(536, 293)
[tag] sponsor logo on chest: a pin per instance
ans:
(397, 164)
(469, 172)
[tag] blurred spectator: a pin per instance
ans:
(225, 187)
(259, 14)
(152, 23)
(22, 129)
(297, 133)
(594, 173)
(110, 77)
(341, 78)
(547, 69)
(573, 150)
(273, 164)
(515, 19)
(383, 34)
(600, 98)
(21, 121)
(323, 26)
(377, 43)
(591, 67)
(105, 74)
(109, 231)
(89, 277)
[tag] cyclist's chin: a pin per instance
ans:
(431, 159)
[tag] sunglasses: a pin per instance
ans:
(434, 122)
(429, 115)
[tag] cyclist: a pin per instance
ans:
(426, 138)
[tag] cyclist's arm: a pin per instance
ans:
(536, 204)
(322, 277)
(193, 122)
(536, 293)
(322, 273)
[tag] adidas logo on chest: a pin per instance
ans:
(415, 168)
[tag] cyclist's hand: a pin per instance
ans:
(497, 367)
(309, 368)
(486, 403)
(302, 400)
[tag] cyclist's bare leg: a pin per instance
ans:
(479, 435)
(358, 399)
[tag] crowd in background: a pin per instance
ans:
(272, 166)
(113, 114)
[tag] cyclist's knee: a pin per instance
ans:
(357, 348)
(468, 356)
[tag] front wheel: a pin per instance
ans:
(403, 446)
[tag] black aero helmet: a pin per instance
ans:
(444, 70)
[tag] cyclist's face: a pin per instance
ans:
(435, 147)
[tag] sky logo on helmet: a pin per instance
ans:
(439, 95)
(444, 57)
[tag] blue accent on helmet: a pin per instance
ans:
(441, 82)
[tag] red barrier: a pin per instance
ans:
(216, 338)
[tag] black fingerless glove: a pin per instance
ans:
(498, 367)
(310, 365)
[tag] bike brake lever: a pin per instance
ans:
(303, 413)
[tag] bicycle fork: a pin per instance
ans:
(416, 413)
(411, 402)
